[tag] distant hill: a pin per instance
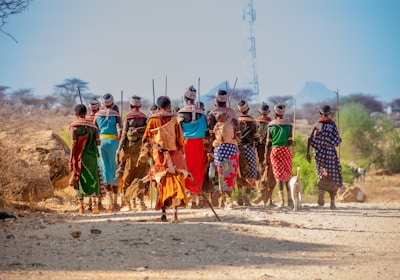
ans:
(314, 92)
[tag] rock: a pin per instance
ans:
(350, 193)
(36, 161)
(76, 234)
(49, 150)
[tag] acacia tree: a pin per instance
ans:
(275, 99)
(68, 92)
(370, 103)
(11, 7)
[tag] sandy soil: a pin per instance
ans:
(356, 241)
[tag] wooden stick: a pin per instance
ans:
(122, 102)
(198, 91)
(233, 90)
(80, 96)
(338, 120)
(166, 85)
(154, 94)
(204, 196)
(294, 123)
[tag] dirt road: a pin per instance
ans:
(356, 241)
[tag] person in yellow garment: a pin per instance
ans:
(110, 125)
(169, 169)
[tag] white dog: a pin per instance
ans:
(296, 190)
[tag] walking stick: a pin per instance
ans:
(151, 185)
(80, 96)
(166, 85)
(122, 102)
(338, 120)
(154, 94)
(204, 196)
(198, 91)
(294, 123)
(233, 90)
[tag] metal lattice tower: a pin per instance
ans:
(250, 75)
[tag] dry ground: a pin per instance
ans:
(356, 241)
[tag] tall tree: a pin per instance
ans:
(275, 99)
(68, 92)
(11, 7)
(360, 137)
(369, 102)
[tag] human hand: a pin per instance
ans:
(308, 156)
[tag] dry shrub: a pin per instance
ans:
(17, 177)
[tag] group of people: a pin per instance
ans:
(191, 156)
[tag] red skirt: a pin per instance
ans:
(281, 160)
(194, 153)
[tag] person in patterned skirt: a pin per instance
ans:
(324, 138)
(247, 154)
(279, 140)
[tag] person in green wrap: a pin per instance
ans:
(83, 159)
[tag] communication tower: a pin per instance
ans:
(250, 75)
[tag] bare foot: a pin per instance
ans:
(175, 220)
(164, 218)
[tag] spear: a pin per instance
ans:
(80, 96)
(233, 90)
(122, 102)
(294, 121)
(154, 94)
(338, 120)
(198, 90)
(166, 85)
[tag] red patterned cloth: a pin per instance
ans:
(281, 160)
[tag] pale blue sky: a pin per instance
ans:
(350, 45)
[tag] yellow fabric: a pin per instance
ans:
(108, 136)
(169, 166)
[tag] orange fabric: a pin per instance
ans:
(171, 189)
(155, 122)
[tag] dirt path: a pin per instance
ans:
(357, 241)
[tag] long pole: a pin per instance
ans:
(166, 85)
(204, 196)
(233, 90)
(294, 122)
(122, 102)
(154, 94)
(338, 120)
(80, 96)
(198, 91)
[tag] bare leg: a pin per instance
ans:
(280, 184)
(240, 196)
(163, 215)
(175, 220)
(332, 195)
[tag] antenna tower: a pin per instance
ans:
(250, 75)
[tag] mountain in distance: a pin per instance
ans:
(314, 92)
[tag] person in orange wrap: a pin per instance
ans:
(169, 169)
